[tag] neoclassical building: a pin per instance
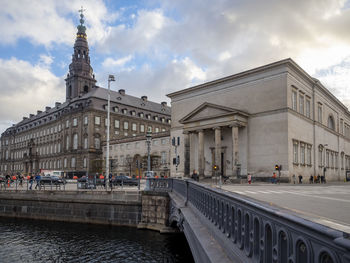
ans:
(253, 120)
(68, 136)
(127, 152)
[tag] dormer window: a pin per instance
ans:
(169, 121)
(115, 109)
(141, 115)
(155, 118)
(148, 116)
(133, 113)
(162, 119)
(124, 111)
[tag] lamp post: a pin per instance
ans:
(110, 78)
(148, 173)
(324, 168)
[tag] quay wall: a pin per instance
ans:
(122, 208)
(148, 210)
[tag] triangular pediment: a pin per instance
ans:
(209, 111)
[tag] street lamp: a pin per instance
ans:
(148, 173)
(110, 78)
(324, 168)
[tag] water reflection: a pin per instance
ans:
(41, 241)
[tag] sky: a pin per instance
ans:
(158, 47)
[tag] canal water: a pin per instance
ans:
(45, 241)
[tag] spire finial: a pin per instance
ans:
(81, 27)
(81, 11)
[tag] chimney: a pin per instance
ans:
(31, 115)
(144, 98)
(121, 91)
(47, 108)
(24, 118)
(57, 104)
(38, 112)
(164, 103)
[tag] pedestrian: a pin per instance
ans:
(195, 176)
(300, 179)
(315, 179)
(311, 179)
(8, 179)
(249, 179)
(274, 178)
(294, 179)
(37, 180)
(31, 179)
(110, 180)
(20, 180)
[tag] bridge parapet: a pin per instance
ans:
(255, 232)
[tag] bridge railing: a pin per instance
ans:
(261, 232)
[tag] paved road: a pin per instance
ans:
(325, 204)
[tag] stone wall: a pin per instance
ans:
(121, 208)
(155, 212)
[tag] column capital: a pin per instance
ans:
(217, 128)
(200, 130)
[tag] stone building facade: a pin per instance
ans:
(127, 152)
(68, 137)
(251, 121)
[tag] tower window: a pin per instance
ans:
(86, 89)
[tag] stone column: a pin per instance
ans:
(218, 146)
(201, 153)
(191, 136)
(235, 156)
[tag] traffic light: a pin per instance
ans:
(137, 163)
(215, 167)
(278, 167)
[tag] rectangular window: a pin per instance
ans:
(301, 104)
(73, 162)
(294, 100)
(85, 143)
(295, 152)
(116, 124)
(341, 128)
(67, 124)
(156, 130)
(142, 128)
(97, 120)
(163, 158)
(342, 161)
(308, 155)
(336, 161)
(86, 120)
(85, 162)
(302, 154)
(327, 159)
(308, 108)
(75, 122)
(134, 127)
(149, 128)
(126, 125)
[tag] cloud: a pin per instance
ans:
(25, 89)
(48, 22)
(112, 63)
(232, 36)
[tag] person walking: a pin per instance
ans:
(31, 179)
(249, 179)
(195, 176)
(294, 179)
(37, 179)
(274, 178)
(300, 179)
(20, 177)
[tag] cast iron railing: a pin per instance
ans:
(263, 233)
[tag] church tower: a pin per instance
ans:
(80, 79)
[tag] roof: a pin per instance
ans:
(128, 100)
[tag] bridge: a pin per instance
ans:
(226, 227)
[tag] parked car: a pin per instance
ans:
(54, 180)
(124, 180)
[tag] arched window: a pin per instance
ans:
(75, 141)
(67, 142)
(330, 122)
(85, 142)
(86, 89)
(69, 91)
(97, 143)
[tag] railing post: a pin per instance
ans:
(187, 183)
